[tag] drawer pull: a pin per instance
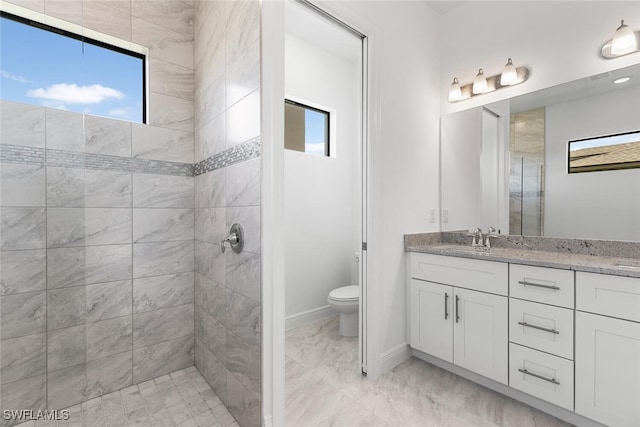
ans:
(551, 380)
(446, 311)
(457, 311)
(528, 325)
(538, 285)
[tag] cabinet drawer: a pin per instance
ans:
(614, 296)
(541, 284)
(479, 275)
(543, 327)
(547, 377)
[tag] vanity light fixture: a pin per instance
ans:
(624, 42)
(480, 83)
(510, 76)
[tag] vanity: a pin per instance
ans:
(554, 323)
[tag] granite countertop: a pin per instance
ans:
(594, 256)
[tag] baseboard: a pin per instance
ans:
(395, 356)
(309, 316)
(551, 409)
(267, 421)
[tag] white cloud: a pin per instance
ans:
(120, 112)
(74, 94)
(8, 75)
(314, 148)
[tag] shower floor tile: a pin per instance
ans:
(180, 399)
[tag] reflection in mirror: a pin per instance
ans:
(542, 198)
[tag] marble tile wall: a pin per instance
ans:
(227, 190)
(97, 264)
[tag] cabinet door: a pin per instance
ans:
(431, 319)
(608, 370)
(480, 333)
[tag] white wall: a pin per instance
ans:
(559, 41)
(321, 231)
(597, 205)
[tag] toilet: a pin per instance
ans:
(345, 300)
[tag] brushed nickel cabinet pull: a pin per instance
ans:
(551, 380)
(457, 311)
(446, 311)
(538, 285)
(528, 325)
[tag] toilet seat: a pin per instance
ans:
(345, 294)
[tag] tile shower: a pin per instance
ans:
(111, 268)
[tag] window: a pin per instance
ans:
(306, 128)
(610, 152)
(56, 68)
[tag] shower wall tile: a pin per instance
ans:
(209, 189)
(244, 317)
(28, 393)
(213, 298)
(23, 314)
(120, 5)
(174, 15)
(170, 79)
(243, 360)
(210, 261)
(210, 59)
(23, 357)
(210, 140)
(108, 374)
(242, 184)
(68, 10)
(249, 217)
(108, 300)
(65, 130)
(66, 387)
(243, 75)
(163, 44)
(158, 225)
(87, 265)
(109, 337)
(243, 28)
(243, 405)
(211, 225)
(88, 226)
(22, 185)
(70, 187)
(22, 124)
(162, 191)
(209, 104)
(153, 293)
(159, 359)
(171, 112)
(23, 271)
(22, 228)
(107, 136)
(243, 120)
(162, 325)
(66, 347)
(156, 259)
(151, 142)
(243, 274)
(66, 307)
(100, 17)
(211, 333)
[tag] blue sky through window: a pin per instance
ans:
(315, 131)
(56, 71)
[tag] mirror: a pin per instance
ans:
(506, 164)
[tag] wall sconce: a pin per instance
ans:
(510, 76)
(623, 42)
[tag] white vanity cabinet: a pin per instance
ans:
(608, 349)
(454, 315)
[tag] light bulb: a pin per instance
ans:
(455, 93)
(624, 40)
(480, 83)
(509, 74)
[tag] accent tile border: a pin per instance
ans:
(70, 159)
(240, 153)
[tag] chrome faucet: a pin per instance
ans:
(478, 238)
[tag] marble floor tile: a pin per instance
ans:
(324, 387)
(145, 405)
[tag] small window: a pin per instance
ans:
(55, 68)
(610, 152)
(306, 128)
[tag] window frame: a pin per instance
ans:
(77, 32)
